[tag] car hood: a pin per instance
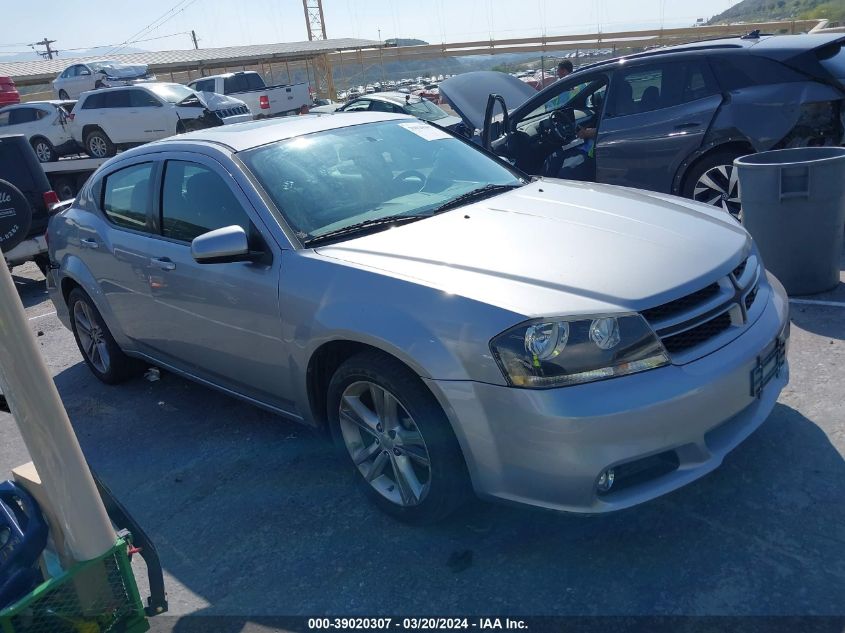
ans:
(447, 121)
(215, 101)
(467, 93)
(124, 71)
(560, 248)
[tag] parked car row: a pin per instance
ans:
(103, 120)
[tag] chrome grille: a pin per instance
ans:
(685, 325)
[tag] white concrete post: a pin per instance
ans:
(41, 417)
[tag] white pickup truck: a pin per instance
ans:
(263, 101)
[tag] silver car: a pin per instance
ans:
(455, 326)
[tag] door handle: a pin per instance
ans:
(88, 243)
(686, 126)
(163, 263)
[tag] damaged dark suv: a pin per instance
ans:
(671, 120)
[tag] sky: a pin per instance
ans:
(84, 24)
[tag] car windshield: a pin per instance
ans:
(327, 181)
(172, 93)
(425, 110)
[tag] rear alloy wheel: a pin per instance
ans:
(99, 349)
(99, 145)
(44, 150)
(714, 181)
(405, 455)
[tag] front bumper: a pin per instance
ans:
(547, 448)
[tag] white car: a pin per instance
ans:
(45, 124)
(104, 120)
(102, 73)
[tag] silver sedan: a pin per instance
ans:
(455, 326)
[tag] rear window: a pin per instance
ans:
(734, 72)
(833, 59)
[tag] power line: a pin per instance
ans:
(178, 8)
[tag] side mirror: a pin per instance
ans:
(228, 244)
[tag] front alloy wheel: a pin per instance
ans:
(404, 453)
(385, 444)
(719, 187)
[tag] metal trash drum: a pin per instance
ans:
(793, 204)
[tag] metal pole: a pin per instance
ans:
(37, 408)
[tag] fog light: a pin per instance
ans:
(606, 480)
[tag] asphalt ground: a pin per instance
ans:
(253, 515)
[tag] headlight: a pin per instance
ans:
(558, 352)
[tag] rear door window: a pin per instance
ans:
(127, 196)
(95, 101)
(738, 71)
(23, 115)
(195, 200)
(142, 99)
(235, 83)
(658, 86)
(4, 119)
(117, 98)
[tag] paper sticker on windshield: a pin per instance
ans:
(426, 131)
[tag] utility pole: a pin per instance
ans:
(50, 51)
(194, 38)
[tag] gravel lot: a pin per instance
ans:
(253, 515)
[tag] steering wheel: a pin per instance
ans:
(562, 125)
(411, 174)
(23, 536)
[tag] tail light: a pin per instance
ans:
(264, 102)
(303, 109)
(51, 199)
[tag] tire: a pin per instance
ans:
(712, 180)
(63, 95)
(104, 358)
(15, 216)
(418, 442)
(99, 145)
(44, 150)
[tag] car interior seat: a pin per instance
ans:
(650, 99)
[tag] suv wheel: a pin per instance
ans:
(404, 453)
(63, 95)
(101, 353)
(99, 145)
(44, 150)
(713, 181)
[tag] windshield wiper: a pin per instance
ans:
(476, 194)
(362, 227)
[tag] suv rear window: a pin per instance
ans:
(742, 70)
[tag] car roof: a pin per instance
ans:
(763, 44)
(142, 86)
(243, 136)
